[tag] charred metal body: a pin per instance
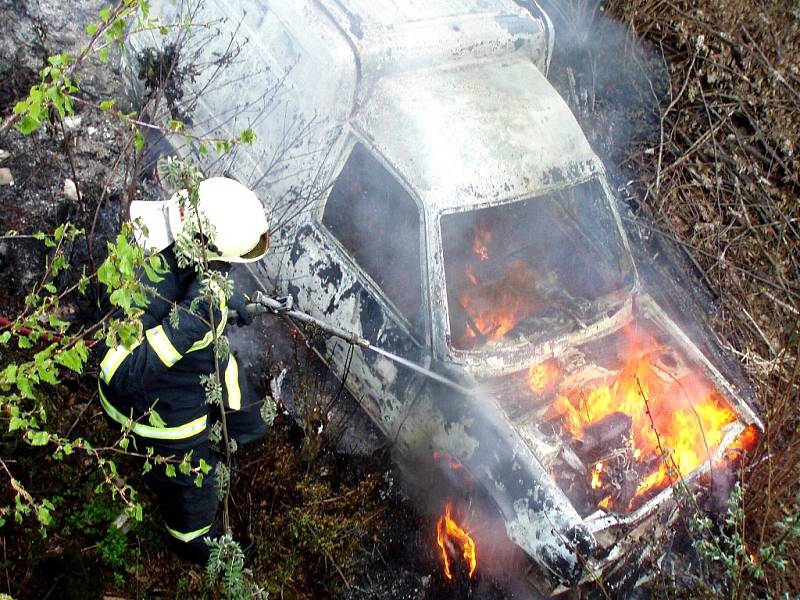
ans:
(422, 121)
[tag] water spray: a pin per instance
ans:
(263, 304)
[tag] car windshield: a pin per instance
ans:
(534, 268)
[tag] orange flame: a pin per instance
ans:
(482, 239)
(745, 441)
(446, 459)
(674, 410)
(543, 376)
(596, 483)
(495, 308)
(450, 535)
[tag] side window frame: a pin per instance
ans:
(419, 336)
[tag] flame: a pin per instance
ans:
(675, 412)
(744, 441)
(450, 535)
(598, 468)
(494, 309)
(482, 239)
(470, 273)
(446, 459)
(543, 376)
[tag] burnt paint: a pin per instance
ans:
(329, 273)
(496, 458)
(298, 248)
(370, 315)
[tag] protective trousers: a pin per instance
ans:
(189, 510)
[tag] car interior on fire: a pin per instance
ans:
(378, 223)
(531, 268)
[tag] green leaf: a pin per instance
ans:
(138, 140)
(74, 358)
(91, 28)
(105, 14)
(27, 125)
(198, 480)
(155, 420)
(107, 104)
(43, 514)
(69, 359)
(10, 372)
(169, 469)
(38, 438)
(247, 136)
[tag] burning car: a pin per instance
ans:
(436, 196)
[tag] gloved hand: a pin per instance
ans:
(238, 302)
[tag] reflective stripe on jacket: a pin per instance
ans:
(162, 371)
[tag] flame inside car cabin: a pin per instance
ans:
(627, 404)
(493, 309)
(522, 270)
(672, 419)
(482, 240)
(445, 459)
(452, 539)
(544, 376)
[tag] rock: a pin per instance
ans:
(6, 178)
(72, 122)
(70, 190)
(4, 154)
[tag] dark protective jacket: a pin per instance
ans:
(163, 372)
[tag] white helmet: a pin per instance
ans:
(241, 231)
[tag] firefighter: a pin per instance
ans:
(154, 390)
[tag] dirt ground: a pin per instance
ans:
(694, 109)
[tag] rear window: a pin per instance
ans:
(378, 222)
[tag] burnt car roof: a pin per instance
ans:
(436, 128)
(366, 15)
(406, 34)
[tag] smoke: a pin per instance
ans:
(612, 81)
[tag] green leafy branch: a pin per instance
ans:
(730, 566)
(53, 95)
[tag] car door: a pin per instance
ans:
(358, 263)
